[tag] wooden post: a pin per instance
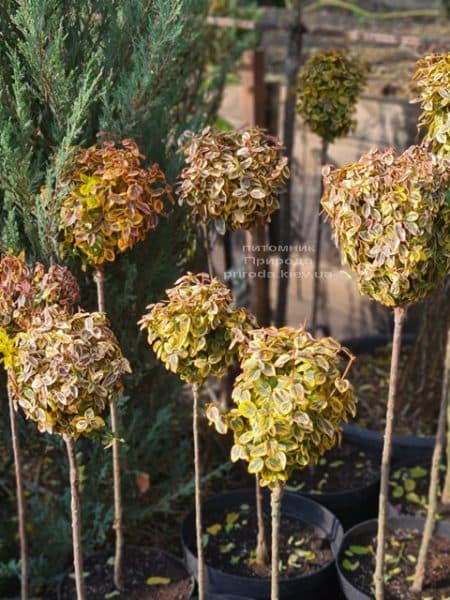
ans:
(255, 103)
(294, 62)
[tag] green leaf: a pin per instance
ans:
(112, 594)
(226, 548)
(413, 497)
(156, 580)
(214, 529)
(418, 472)
(256, 465)
(398, 491)
(359, 549)
(409, 484)
(350, 566)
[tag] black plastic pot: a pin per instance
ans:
(350, 506)
(407, 449)
(321, 585)
(171, 557)
(369, 527)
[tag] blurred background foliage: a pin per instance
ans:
(145, 69)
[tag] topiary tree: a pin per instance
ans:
(329, 86)
(65, 370)
(391, 220)
(234, 179)
(23, 293)
(433, 80)
(290, 401)
(114, 202)
(192, 334)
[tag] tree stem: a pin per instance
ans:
(262, 557)
(208, 249)
(318, 244)
(275, 501)
(419, 574)
(446, 392)
(76, 518)
(21, 505)
(117, 485)
(198, 498)
(399, 316)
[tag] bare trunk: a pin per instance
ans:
(446, 490)
(76, 519)
(419, 574)
(262, 557)
(198, 498)
(275, 500)
(208, 249)
(399, 316)
(117, 486)
(294, 61)
(421, 379)
(318, 244)
(21, 505)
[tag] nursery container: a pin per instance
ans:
(350, 506)
(176, 562)
(370, 527)
(320, 585)
(407, 449)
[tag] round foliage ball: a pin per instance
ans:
(232, 177)
(113, 203)
(65, 370)
(391, 218)
(432, 78)
(194, 332)
(290, 401)
(329, 85)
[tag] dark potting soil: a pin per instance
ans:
(358, 564)
(342, 468)
(141, 565)
(370, 378)
(230, 541)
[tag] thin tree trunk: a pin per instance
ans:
(262, 557)
(399, 316)
(117, 485)
(419, 573)
(76, 518)
(198, 498)
(275, 501)
(208, 249)
(446, 490)
(21, 505)
(318, 245)
(294, 62)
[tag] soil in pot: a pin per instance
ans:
(357, 562)
(230, 541)
(149, 574)
(370, 378)
(342, 468)
(408, 491)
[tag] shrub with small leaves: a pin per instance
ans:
(432, 77)
(328, 88)
(391, 218)
(194, 333)
(114, 201)
(233, 178)
(65, 370)
(291, 399)
(25, 291)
